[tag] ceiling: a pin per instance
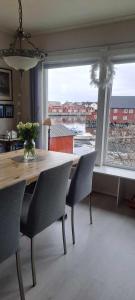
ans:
(45, 15)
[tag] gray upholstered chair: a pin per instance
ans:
(80, 186)
(45, 206)
(10, 211)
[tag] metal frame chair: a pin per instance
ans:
(10, 211)
(80, 186)
(45, 206)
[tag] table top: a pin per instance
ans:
(14, 169)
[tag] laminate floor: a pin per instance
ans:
(101, 266)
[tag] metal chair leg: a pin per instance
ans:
(19, 275)
(63, 235)
(72, 225)
(90, 209)
(33, 263)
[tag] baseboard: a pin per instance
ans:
(105, 193)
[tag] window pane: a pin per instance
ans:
(121, 131)
(72, 104)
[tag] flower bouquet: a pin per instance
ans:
(28, 132)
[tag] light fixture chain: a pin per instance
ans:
(20, 15)
(17, 56)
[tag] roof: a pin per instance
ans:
(122, 102)
(60, 130)
(54, 103)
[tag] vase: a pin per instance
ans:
(29, 150)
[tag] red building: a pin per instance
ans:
(122, 109)
(61, 139)
(70, 108)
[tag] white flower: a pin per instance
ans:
(28, 125)
(20, 126)
(36, 124)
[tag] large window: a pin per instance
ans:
(72, 103)
(121, 131)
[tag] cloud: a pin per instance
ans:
(73, 83)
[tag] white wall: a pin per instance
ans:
(86, 37)
(25, 103)
(8, 124)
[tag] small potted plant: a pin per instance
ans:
(28, 132)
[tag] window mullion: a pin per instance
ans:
(106, 129)
(101, 120)
(45, 108)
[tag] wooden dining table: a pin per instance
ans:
(13, 168)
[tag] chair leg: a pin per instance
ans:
(90, 209)
(19, 275)
(63, 235)
(33, 263)
(72, 224)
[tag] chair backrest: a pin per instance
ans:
(81, 183)
(10, 211)
(48, 202)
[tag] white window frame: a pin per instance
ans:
(61, 59)
(104, 95)
(106, 123)
(98, 132)
(45, 108)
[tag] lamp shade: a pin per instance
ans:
(17, 56)
(21, 62)
(47, 122)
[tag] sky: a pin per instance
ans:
(73, 83)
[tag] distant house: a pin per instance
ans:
(54, 103)
(122, 102)
(61, 139)
(94, 106)
(122, 109)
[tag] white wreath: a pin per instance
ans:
(105, 65)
